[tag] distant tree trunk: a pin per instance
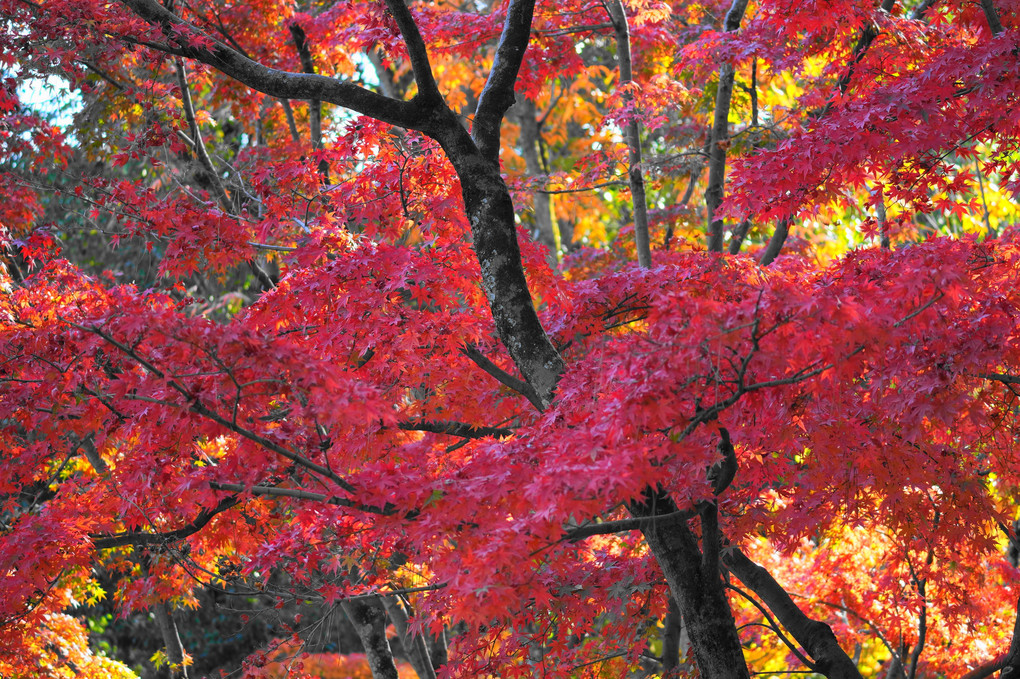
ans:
(671, 628)
(545, 220)
(171, 641)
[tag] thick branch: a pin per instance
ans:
(274, 82)
(1005, 379)
(461, 429)
(171, 640)
(987, 669)
(498, 94)
(776, 242)
(428, 91)
(91, 453)
(815, 637)
(721, 474)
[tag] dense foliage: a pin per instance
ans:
(580, 339)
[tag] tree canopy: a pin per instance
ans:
(616, 338)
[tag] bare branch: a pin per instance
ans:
(197, 144)
(200, 408)
(625, 525)
(301, 495)
(772, 625)
(776, 242)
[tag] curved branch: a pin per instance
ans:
(271, 81)
(145, 538)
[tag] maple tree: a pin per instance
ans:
(576, 439)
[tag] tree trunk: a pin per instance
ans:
(545, 220)
(1011, 666)
(697, 586)
(490, 212)
(171, 641)
(369, 622)
(671, 627)
(414, 646)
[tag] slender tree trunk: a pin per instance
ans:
(671, 628)
(314, 105)
(618, 16)
(720, 136)
(1011, 665)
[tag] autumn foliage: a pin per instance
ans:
(338, 306)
